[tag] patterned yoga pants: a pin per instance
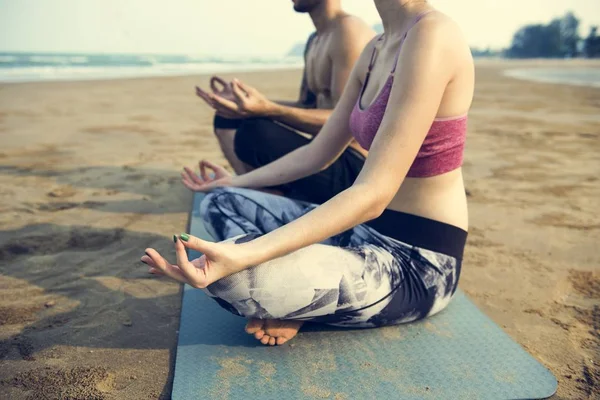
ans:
(359, 278)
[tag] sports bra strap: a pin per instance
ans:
(373, 54)
(415, 21)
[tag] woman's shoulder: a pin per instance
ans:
(439, 27)
(369, 48)
(362, 63)
(438, 33)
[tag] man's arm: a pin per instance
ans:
(306, 99)
(290, 103)
(348, 41)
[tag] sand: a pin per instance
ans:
(89, 178)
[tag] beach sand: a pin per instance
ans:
(89, 177)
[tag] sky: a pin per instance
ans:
(236, 27)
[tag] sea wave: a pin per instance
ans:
(578, 76)
(24, 67)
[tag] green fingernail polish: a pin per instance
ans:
(185, 237)
(174, 238)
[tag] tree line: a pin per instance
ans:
(558, 39)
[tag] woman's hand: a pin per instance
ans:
(219, 260)
(203, 182)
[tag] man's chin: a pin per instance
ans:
(299, 7)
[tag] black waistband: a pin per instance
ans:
(421, 232)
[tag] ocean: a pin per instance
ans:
(579, 76)
(32, 67)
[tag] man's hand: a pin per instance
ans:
(247, 102)
(225, 92)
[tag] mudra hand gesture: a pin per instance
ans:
(203, 182)
(218, 261)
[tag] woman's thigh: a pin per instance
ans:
(230, 212)
(357, 278)
(319, 283)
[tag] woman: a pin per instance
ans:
(388, 250)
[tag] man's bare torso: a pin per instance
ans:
(319, 71)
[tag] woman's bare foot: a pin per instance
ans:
(273, 331)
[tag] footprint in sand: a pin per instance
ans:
(57, 242)
(22, 344)
(72, 383)
(65, 205)
(562, 220)
(586, 283)
(62, 192)
(53, 207)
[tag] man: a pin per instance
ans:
(257, 131)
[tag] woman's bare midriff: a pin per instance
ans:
(441, 198)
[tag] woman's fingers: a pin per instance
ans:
(165, 267)
(204, 182)
(192, 186)
(192, 274)
(186, 178)
(202, 165)
(147, 260)
(194, 243)
(219, 170)
(155, 271)
(193, 177)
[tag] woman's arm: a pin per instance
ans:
(306, 160)
(317, 155)
(321, 152)
(427, 65)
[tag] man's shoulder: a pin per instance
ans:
(351, 25)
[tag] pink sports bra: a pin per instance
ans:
(443, 147)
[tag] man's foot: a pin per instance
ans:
(273, 331)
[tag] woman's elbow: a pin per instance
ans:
(376, 202)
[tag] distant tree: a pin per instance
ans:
(557, 39)
(534, 41)
(591, 46)
(477, 52)
(569, 28)
(297, 50)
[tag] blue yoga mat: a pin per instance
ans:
(457, 354)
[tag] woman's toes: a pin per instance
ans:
(265, 339)
(272, 341)
(254, 326)
(281, 340)
(259, 335)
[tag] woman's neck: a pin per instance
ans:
(396, 14)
